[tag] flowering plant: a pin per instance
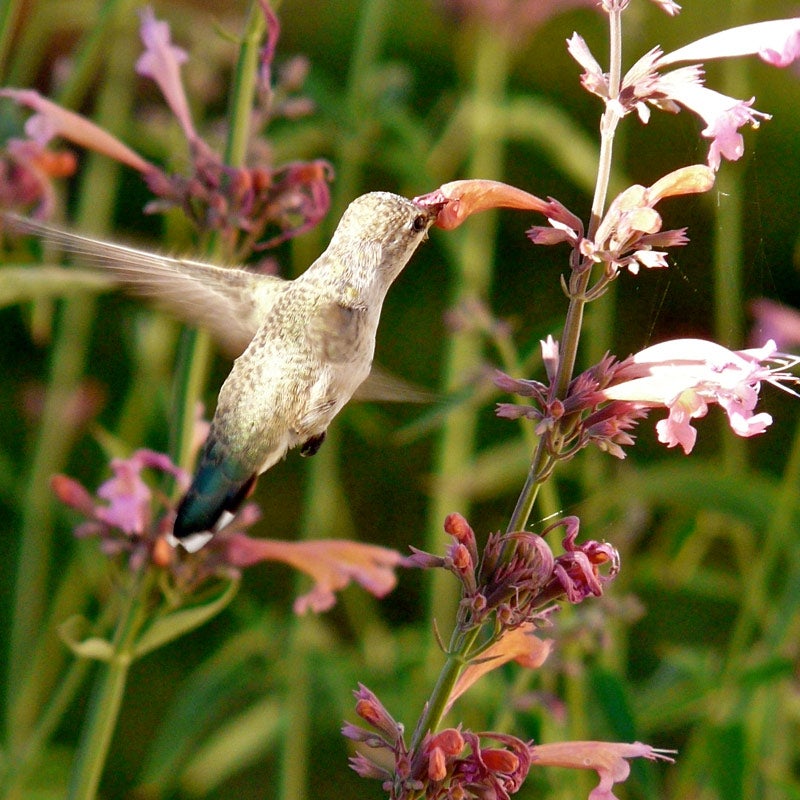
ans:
(513, 667)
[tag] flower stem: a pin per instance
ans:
(568, 352)
(196, 350)
(457, 659)
(107, 695)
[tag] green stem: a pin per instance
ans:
(54, 439)
(728, 242)
(107, 694)
(568, 351)
(9, 14)
(434, 711)
(195, 348)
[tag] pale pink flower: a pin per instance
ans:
(686, 375)
(161, 62)
(51, 120)
(608, 759)
(331, 563)
(776, 42)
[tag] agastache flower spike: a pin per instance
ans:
(776, 42)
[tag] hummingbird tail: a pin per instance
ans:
(218, 486)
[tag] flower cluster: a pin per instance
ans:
(132, 518)
(684, 376)
(625, 238)
(244, 204)
(128, 516)
(450, 764)
(517, 576)
(459, 764)
(777, 42)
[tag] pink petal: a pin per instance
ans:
(129, 498)
(608, 759)
(161, 62)
(519, 644)
(53, 120)
(776, 41)
(331, 563)
(723, 115)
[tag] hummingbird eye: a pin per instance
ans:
(420, 223)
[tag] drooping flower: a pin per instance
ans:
(161, 62)
(608, 759)
(331, 563)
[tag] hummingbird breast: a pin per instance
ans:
(300, 369)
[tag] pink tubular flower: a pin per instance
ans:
(133, 516)
(685, 375)
(776, 42)
(161, 62)
(608, 759)
(332, 563)
(461, 199)
(775, 321)
(51, 120)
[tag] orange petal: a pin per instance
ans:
(518, 645)
(466, 197)
(694, 179)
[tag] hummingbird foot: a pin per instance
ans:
(310, 447)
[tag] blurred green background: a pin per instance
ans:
(694, 647)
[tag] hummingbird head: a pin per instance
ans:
(378, 234)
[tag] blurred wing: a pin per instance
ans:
(231, 303)
(382, 386)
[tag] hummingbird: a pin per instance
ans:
(305, 345)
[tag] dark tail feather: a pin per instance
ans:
(220, 485)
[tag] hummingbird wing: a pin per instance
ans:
(230, 303)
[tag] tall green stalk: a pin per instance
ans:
(458, 443)
(54, 438)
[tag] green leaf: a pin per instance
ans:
(176, 624)
(242, 741)
(72, 632)
(24, 284)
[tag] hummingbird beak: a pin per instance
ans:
(430, 208)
